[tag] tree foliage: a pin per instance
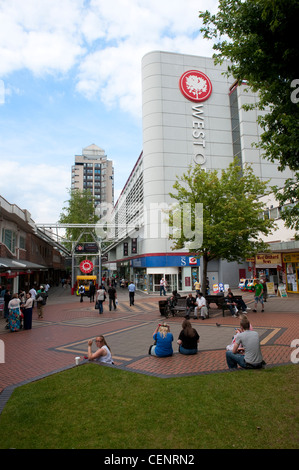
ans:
(256, 36)
(80, 210)
(232, 222)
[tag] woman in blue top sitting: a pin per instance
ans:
(163, 341)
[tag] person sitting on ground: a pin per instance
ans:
(190, 305)
(230, 346)
(103, 353)
(252, 359)
(201, 306)
(163, 341)
(188, 339)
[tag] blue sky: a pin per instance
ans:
(70, 76)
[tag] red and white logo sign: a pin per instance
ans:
(192, 260)
(86, 266)
(195, 86)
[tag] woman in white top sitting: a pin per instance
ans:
(103, 354)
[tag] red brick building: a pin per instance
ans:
(28, 256)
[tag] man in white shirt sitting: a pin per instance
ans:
(201, 306)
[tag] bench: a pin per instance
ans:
(225, 306)
(215, 299)
(179, 309)
(220, 301)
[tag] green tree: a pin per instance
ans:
(256, 36)
(232, 215)
(80, 210)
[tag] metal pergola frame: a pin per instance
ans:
(46, 231)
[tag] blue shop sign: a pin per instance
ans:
(165, 260)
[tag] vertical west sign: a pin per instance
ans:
(197, 87)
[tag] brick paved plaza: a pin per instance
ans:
(54, 342)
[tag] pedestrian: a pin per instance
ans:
(7, 298)
(112, 297)
(201, 306)
(162, 287)
(81, 292)
(163, 342)
(14, 317)
(131, 289)
(92, 289)
(27, 310)
(197, 287)
(258, 296)
(188, 339)
(100, 298)
(190, 305)
(103, 353)
(252, 358)
(32, 292)
(41, 297)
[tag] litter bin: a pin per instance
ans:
(162, 307)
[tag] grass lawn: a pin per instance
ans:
(96, 407)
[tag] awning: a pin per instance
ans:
(10, 264)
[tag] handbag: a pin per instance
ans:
(96, 305)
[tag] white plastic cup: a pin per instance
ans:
(77, 359)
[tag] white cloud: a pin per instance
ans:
(39, 188)
(105, 44)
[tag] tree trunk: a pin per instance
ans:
(205, 259)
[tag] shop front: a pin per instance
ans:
(179, 272)
(291, 271)
(268, 266)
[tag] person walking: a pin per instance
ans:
(100, 297)
(41, 297)
(162, 287)
(112, 297)
(92, 290)
(81, 291)
(132, 289)
(258, 296)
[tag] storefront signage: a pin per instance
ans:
(196, 86)
(270, 288)
(198, 135)
(86, 266)
(268, 258)
(164, 260)
(282, 291)
(291, 258)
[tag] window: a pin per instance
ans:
(22, 243)
(9, 239)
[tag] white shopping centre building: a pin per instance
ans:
(191, 114)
